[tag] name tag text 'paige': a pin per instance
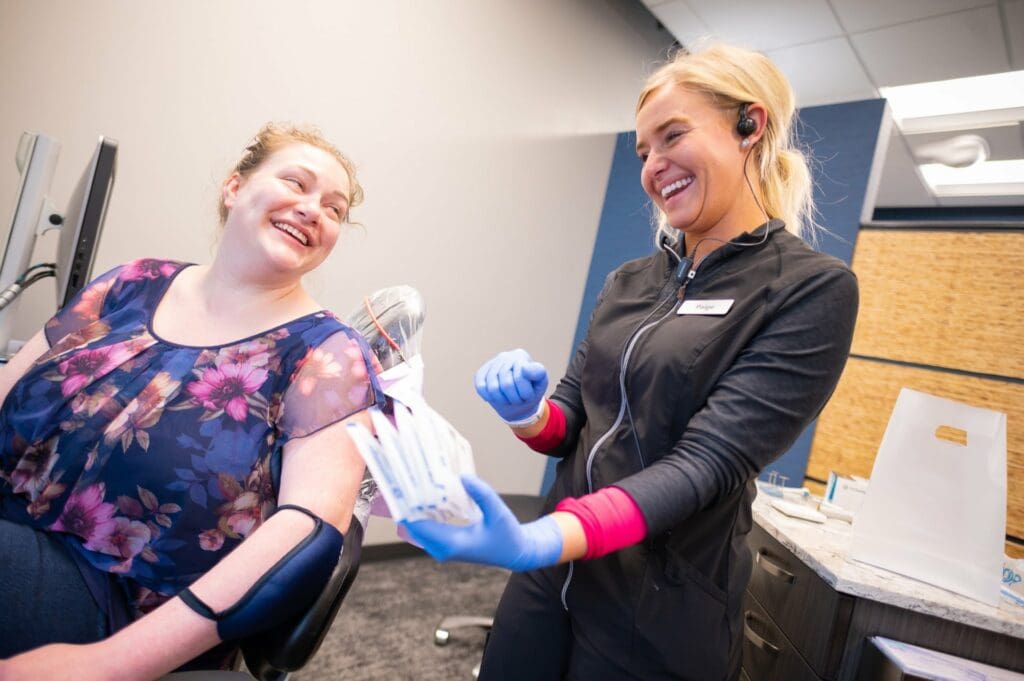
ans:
(705, 307)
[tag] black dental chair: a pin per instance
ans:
(287, 646)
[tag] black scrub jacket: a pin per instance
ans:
(714, 398)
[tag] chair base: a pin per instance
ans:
(443, 631)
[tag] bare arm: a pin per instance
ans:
(321, 472)
(20, 363)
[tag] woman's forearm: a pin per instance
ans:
(173, 634)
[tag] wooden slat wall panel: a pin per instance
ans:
(943, 298)
(851, 426)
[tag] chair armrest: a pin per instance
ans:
(289, 645)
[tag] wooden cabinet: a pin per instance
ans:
(797, 626)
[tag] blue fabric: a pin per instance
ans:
(156, 459)
(38, 580)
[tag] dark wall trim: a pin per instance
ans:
(1005, 226)
(954, 213)
(942, 369)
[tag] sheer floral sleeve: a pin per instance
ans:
(335, 380)
(84, 309)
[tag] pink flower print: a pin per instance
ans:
(254, 353)
(143, 412)
(146, 601)
(41, 504)
(357, 371)
(126, 539)
(88, 516)
(243, 515)
(211, 540)
(75, 339)
(89, 404)
(227, 387)
(35, 464)
(90, 303)
(278, 334)
(147, 268)
(247, 506)
(354, 354)
(316, 366)
(84, 367)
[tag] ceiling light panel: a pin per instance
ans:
(958, 104)
(981, 179)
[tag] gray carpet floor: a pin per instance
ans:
(385, 628)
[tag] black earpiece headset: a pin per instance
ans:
(746, 125)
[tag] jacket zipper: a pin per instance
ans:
(623, 365)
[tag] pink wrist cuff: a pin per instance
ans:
(553, 433)
(610, 518)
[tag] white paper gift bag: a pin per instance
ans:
(935, 509)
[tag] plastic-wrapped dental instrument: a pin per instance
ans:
(417, 458)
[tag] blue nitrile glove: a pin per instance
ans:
(499, 539)
(514, 385)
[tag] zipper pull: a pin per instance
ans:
(681, 293)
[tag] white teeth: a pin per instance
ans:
(675, 186)
(291, 230)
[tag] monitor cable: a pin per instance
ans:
(28, 277)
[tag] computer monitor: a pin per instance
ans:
(83, 222)
(36, 159)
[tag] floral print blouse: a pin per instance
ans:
(155, 458)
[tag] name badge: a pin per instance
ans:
(705, 307)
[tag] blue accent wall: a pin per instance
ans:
(841, 139)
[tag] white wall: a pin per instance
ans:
(482, 130)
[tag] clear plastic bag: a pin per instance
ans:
(391, 320)
(417, 458)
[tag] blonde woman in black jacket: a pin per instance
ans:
(702, 364)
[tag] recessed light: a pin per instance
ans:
(958, 104)
(989, 178)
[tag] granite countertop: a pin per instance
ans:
(824, 547)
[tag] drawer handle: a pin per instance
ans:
(772, 568)
(755, 638)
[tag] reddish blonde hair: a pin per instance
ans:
(274, 136)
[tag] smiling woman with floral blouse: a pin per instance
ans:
(160, 418)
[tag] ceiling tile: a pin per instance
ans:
(865, 15)
(824, 72)
(680, 21)
(768, 25)
(1014, 13)
(901, 185)
(951, 46)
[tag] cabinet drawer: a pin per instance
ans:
(809, 612)
(767, 654)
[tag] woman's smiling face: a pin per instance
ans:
(692, 162)
(290, 208)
